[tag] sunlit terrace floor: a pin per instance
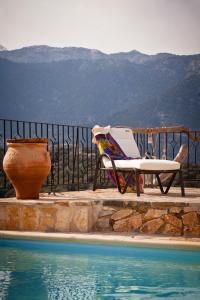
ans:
(149, 195)
(111, 194)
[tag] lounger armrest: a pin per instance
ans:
(108, 157)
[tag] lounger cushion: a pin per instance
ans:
(124, 138)
(145, 164)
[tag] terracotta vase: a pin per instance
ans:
(27, 164)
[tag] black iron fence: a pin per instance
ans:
(74, 156)
(166, 143)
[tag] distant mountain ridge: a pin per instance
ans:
(2, 48)
(85, 86)
(44, 53)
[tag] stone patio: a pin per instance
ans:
(106, 210)
(152, 195)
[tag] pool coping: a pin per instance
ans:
(137, 240)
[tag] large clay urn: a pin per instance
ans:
(27, 164)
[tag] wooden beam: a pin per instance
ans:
(158, 130)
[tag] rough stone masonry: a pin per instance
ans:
(173, 219)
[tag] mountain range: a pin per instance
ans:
(84, 86)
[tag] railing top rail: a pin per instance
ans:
(156, 130)
(45, 123)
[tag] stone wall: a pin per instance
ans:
(59, 216)
(173, 219)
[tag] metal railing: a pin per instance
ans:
(165, 143)
(74, 156)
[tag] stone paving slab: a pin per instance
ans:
(150, 195)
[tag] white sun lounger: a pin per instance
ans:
(137, 165)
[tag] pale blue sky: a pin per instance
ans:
(149, 26)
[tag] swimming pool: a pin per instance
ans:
(64, 270)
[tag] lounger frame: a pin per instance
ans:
(137, 173)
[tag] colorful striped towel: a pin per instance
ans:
(107, 145)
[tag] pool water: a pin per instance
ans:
(42, 270)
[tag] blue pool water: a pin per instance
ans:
(57, 271)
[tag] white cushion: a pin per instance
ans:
(144, 164)
(124, 137)
(100, 130)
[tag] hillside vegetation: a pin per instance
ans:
(84, 86)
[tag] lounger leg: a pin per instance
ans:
(160, 183)
(127, 182)
(96, 175)
(182, 183)
(137, 175)
(170, 183)
(117, 181)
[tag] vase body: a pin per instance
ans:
(27, 164)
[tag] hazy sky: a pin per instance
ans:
(150, 26)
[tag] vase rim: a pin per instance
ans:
(28, 140)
